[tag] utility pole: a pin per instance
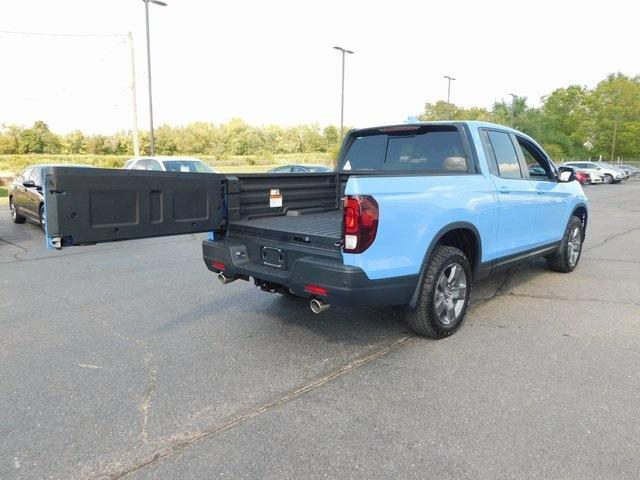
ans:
(344, 52)
(613, 143)
(449, 80)
(134, 102)
(152, 143)
(513, 108)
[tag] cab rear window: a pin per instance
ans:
(437, 149)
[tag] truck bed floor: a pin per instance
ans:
(325, 228)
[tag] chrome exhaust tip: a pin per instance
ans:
(223, 279)
(318, 306)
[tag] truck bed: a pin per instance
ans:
(320, 229)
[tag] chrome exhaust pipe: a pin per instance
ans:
(318, 306)
(223, 279)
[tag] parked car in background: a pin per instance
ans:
(584, 177)
(301, 169)
(26, 197)
(625, 175)
(168, 164)
(630, 169)
(609, 174)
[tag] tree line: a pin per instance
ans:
(571, 123)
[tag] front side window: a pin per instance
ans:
(537, 166)
(153, 165)
(186, 166)
(505, 154)
(141, 165)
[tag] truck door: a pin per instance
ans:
(89, 205)
(517, 197)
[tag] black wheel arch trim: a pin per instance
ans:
(585, 219)
(436, 239)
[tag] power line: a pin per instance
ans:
(47, 34)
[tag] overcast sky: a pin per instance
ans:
(273, 62)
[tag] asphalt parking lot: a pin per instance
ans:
(129, 360)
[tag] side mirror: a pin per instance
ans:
(566, 175)
(28, 184)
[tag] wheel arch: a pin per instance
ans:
(462, 235)
(582, 212)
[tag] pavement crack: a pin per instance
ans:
(564, 299)
(268, 406)
(502, 287)
(144, 406)
(612, 237)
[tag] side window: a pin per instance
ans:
(26, 175)
(505, 154)
(141, 165)
(153, 165)
(36, 176)
(488, 153)
(537, 164)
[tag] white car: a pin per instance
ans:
(608, 174)
(168, 164)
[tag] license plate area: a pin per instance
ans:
(273, 257)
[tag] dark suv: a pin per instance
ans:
(26, 198)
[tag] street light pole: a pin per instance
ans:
(344, 52)
(146, 14)
(513, 108)
(449, 79)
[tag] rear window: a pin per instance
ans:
(433, 150)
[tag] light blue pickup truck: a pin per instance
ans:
(412, 215)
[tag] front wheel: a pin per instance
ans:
(566, 258)
(608, 179)
(42, 216)
(15, 216)
(444, 294)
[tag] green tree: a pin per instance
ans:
(38, 139)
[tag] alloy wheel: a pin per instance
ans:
(12, 209)
(450, 294)
(574, 244)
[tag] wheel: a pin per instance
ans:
(42, 216)
(444, 294)
(608, 178)
(566, 258)
(15, 216)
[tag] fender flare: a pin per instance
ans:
(436, 238)
(584, 220)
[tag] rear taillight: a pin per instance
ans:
(360, 222)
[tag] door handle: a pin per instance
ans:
(540, 192)
(504, 190)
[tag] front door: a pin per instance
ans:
(516, 196)
(88, 205)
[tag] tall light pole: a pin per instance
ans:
(146, 14)
(344, 52)
(513, 108)
(449, 80)
(134, 102)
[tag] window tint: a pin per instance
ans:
(505, 154)
(438, 150)
(153, 165)
(537, 165)
(488, 152)
(141, 165)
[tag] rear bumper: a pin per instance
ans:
(345, 284)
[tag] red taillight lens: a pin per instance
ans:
(360, 223)
(218, 265)
(316, 290)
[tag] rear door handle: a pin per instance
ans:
(504, 190)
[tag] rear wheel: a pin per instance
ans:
(15, 216)
(42, 217)
(444, 294)
(566, 258)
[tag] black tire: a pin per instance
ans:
(15, 216)
(426, 319)
(565, 259)
(41, 217)
(608, 179)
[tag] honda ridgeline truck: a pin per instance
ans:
(412, 216)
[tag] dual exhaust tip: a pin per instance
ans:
(317, 306)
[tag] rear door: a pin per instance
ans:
(87, 205)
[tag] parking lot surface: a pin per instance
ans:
(130, 360)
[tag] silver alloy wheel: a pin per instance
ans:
(43, 217)
(608, 179)
(574, 244)
(12, 209)
(450, 293)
